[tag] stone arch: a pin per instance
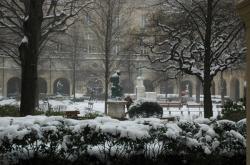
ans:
(185, 84)
(127, 85)
(61, 87)
(223, 87)
(95, 87)
(166, 87)
(13, 87)
(149, 87)
(235, 89)
(42, 86)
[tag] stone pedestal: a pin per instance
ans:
(140, 89)
(151, 96)
(116, 109)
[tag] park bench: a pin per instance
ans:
(86, 97)
(71, 114)
(195, 111)
(60, 108)
(90, 106)
(44, 107)
(195, 106)
(171, 105)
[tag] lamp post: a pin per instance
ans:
(3, 75)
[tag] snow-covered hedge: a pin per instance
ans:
(104, 139)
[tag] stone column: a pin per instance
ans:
(244, 11)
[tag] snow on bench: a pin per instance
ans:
(171, 105)
(59, 108)
(194, 105)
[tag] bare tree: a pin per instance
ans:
(200, 39)
(110, 21)
(32, 22)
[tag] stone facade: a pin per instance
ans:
(56, 65)
(51, 73)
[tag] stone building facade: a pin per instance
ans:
(78, 51)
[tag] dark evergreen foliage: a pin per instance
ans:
(145, 110)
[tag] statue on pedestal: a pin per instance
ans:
(187, 90)
(116, 89)
(140, 88)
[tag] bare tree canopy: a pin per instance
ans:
(109, 21)
(197, 37)
(57, 16)
(31, 22)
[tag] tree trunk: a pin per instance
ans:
(108, 37)
(29, 55)
(106, 92)
(208, 108)
(179, 79)
(74, 73)
(222, 89)
(28, 88)
(74, 82)
(198, 90)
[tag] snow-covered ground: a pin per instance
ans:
(98, 106)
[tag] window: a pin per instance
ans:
(89, 36)
(116, 49)
(92, 48)
(117, 21)
(87, 20)
(59, 47)
(144, 50)
(144, 21)
(85, 49)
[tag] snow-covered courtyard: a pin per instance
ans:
(98, 106)
(107, 82)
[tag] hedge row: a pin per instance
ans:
(55, 140)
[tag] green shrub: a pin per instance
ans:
(91, 115)
(145, 110)
(37, 113)
(9, 110)
(13, 111)
(54, 113)
(234, 111)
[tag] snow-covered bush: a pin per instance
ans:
(144, 140)
(242, 127)
(146, 109)
(234, 110)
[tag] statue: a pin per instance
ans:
(59, 86)
(187, 89)
(116, 89)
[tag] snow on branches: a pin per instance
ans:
(58, 15)
(195, 40)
